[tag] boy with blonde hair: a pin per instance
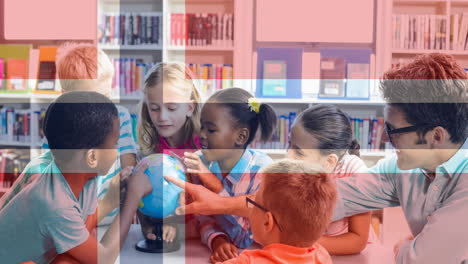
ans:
(289, 213)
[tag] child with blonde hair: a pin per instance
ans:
(169, 122)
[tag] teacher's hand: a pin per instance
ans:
(204, 201)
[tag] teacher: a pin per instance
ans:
(426, 121)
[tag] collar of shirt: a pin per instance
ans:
(452, 165)
(236, 173)
(164, 145)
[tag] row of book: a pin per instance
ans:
(211, 30)
(129, 75)
(12, 163)
(367, 131)
(13, 74)
(131, 29)
(21, 125)
(212, 77)
(279, 139)
(419, 31)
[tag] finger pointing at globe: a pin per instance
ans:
(204, 201)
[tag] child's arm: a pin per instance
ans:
(352, 242)
(206, 202)
(194, 165)
(128, 160)
(108, 250)
(112, 197)
(223, 250)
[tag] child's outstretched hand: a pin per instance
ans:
(195, 166)
(223, 250)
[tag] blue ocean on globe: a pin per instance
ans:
(164, 198)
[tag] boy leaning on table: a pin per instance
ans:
(289, 213)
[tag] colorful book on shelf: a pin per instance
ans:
(274, 78)
(358, 83)
(2, 73)
(368, 132)
(129, 75)
(47, 73)
(211, 77)
(332, 77)
(18, 55)
(21, 125)
(17, 74)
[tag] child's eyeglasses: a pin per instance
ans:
(251, 203)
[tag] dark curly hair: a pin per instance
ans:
(78, 120)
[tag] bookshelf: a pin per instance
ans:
(397, 45)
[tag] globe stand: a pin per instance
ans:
(159, 245)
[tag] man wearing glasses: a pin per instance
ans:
(427, 123)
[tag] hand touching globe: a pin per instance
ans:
(164, 198)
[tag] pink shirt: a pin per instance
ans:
(347, 167)
(187, 146)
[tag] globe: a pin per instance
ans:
(164, 198)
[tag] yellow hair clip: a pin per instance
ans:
(254, 105)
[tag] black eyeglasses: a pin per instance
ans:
(407, 129)
(250, 203)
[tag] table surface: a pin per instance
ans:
(194, 252)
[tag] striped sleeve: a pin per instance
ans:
(126, 143)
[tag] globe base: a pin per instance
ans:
(157, 246)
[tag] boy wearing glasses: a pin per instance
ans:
(289, 213)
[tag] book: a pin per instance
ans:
(47, 73)
(274, 78)
(357, 80)
(332, 76)
(368, 132)
(16, 74)
(2, 73)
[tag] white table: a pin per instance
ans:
(193, 252)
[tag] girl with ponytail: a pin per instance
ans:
(322, 133)
(230, 120)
